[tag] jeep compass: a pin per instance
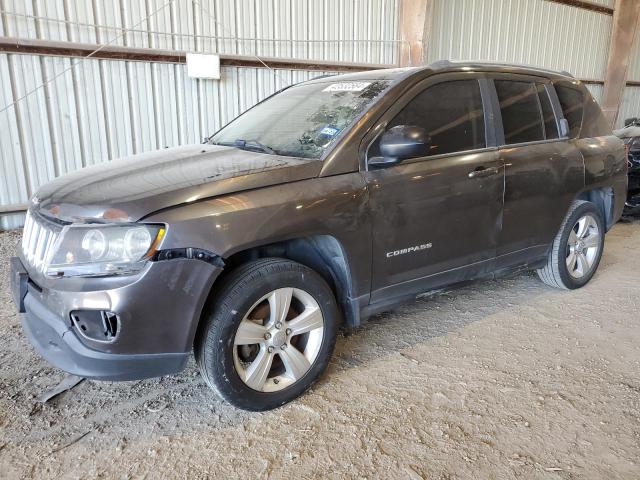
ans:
(326, 203)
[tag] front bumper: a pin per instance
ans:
(58, 344)
(158, 312)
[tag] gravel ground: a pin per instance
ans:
(499, 379)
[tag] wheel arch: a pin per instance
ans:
(603, 198)
(322, 253)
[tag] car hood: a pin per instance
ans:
(131, 188)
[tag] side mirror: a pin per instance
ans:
(564, 128)
(630, 121)
(402, 142)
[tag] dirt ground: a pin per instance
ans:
(499, 379)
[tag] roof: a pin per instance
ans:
(440, 66)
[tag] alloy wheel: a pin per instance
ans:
(278, 340)
(583, 246)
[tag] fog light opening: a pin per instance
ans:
(110, 324)
(97, 325)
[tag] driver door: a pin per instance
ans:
(436, 218)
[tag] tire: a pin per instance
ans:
(575, 253)
(249, 307)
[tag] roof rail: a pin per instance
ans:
(323, 76)
(489, 63)
(440, 64)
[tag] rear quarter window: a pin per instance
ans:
(583, 113)
(594, 123)
(572, 103)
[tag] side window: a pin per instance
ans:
(594, 122)
(550, 125)
(571, 101)
(520, 108)
(451, 112)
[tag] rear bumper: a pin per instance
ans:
(58, 344)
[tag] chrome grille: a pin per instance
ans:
(38, 239)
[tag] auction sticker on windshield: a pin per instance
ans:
(347, 87)
(329, 130)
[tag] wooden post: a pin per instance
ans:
(626, 16)
(414, 15)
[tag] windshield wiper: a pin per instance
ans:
(253, 145)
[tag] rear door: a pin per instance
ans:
(543, 171)
(436, 218)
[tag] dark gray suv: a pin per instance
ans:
(328, 202)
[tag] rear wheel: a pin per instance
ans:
(269, 334)
(577, 249)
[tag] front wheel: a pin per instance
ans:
(577, 249)
(269, 335)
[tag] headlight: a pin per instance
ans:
(94, 243)
(137, 242)
(98, 250)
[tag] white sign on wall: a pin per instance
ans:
(201, 65)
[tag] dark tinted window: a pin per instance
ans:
(594, 124)
(452, 114)
(520, 107)
(550, 125)
(571, 101)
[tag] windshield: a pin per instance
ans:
(302, 121)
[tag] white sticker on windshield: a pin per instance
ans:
(347, 87)
(329, 130)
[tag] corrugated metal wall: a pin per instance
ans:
(104, 109)
(344, 30)
(634, 64)
(630, 106)
(534, 32)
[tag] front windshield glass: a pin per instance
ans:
(302, 121)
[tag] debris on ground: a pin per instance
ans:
(500, 379)
(67, 383)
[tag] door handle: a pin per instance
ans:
(483, 172)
